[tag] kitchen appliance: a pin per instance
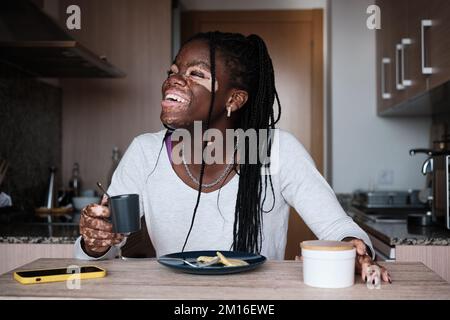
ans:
(438, 167)
(387, 199)
(35, 43)
(418, 219)
(387, 206)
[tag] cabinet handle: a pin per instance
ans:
(385, 95)
(425, 24)
(398, 77)
(405, 42)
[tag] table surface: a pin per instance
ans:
(147, 279)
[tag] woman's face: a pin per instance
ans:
(186, 93)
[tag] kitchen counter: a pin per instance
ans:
(391, 233)
(395, 233)
(42, 233)
(394, 239)
(147, 279)
(400, 233)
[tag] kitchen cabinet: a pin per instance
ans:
(439, 42)
(412, 55)
(400, 242)
(39, 47)
(398, 33)
(16, 254)
(392, 43)
(418, 11)
(384, 57)
(437, 258)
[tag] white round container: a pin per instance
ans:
(328, 264)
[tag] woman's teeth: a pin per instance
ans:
(174, 97)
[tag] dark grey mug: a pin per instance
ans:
(124, 210)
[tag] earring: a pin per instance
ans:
(229, 111)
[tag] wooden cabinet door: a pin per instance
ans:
(392, 89)
(438, 42)
(418, 10)
(385, 59)
(399, 31)
(414, 44)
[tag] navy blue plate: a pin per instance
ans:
(253, 260)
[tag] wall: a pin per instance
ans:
(30, 136)
(379, 145)
(366, 150)
(99, 114)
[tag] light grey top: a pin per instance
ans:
(168, 203)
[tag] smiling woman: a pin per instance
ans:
(197, 206)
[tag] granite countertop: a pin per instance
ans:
(391, 233)
(44, 233)
(396, 233)
(400, 233)
(24, 227)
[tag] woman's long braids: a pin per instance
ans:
(250, 68)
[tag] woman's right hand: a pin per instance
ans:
(96, 230)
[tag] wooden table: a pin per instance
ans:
(147, 279)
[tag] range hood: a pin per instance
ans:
(33, 42)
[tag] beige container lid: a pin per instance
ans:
(324, 245)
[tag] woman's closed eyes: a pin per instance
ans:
(194, 72)
(197, 74)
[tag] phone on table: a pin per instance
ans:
(58, 274)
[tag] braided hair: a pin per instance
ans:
(251, 69)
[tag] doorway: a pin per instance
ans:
(295, 42)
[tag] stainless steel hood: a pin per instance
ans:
(31, 41)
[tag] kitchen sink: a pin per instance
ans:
(388, 218)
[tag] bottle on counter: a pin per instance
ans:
(75, 181)
(115, 163)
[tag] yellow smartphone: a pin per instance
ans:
(58, 274)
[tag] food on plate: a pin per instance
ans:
(205, 259)
(223, 260)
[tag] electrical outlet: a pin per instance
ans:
(386, 177)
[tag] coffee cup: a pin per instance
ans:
(125, 215)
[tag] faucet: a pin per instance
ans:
(427, 166)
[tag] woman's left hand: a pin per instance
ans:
(364, 261)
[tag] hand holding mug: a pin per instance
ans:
(97, 230)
